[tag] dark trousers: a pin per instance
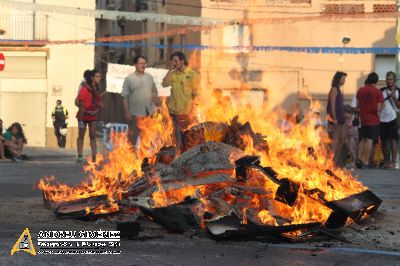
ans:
(181, 123)
(134, 130)
(61, 140)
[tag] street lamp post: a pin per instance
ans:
(345, 40)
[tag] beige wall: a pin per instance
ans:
(285, 74)
(23, 92)
(61, 70)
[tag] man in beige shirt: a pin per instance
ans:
(140, 95)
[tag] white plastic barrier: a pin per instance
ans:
(110, 129)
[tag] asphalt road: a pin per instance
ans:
(375, 242)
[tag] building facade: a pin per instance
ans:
(38, 74)
(287, 76)
(284, 78)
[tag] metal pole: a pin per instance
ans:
(34, 23)
(398, 46)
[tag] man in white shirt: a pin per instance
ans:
(388, 124)
(140, 94)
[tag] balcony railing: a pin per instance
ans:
(24, 27)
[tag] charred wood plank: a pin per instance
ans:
(176, 218)
(325, 232)
(128, 229)
(354, 207)
(90, 200)
(230, 228)
(82, 208)
(239, 132)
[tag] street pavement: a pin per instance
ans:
(376, 241)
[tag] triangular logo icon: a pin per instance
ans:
(24, 243)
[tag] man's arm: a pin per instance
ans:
(127, 114)
(167, 79)
(379, 107)
(332, 101)
(125, 94)
(380, 101)
(396, 98)
(155, 99)
(80, 111)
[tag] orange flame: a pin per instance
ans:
(297, 151)
(105, 177)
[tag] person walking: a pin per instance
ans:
(140, 96)
(90, 103)
(388, 121)
(181, 103)
(369, 103)
(59, 116)
(335, 111)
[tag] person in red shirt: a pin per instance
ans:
(369, 102)
(89, 103)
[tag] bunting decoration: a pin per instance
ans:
(109, 14)
(290, 49)
(262, 48)
(146, 35)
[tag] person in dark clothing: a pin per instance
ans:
(59, 116)
(335, 116)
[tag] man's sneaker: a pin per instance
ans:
(79, 159)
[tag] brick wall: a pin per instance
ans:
(380, 8)
(343, 9)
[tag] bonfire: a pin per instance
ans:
(238, 168)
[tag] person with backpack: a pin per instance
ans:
(59, 116)
(388, 129)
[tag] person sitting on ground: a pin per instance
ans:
(14, 141)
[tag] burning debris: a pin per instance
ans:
(227, 180)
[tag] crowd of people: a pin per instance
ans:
(369, 126)
(140, 100)
(360, 131)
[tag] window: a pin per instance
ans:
(384, 64)
(236, 35)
